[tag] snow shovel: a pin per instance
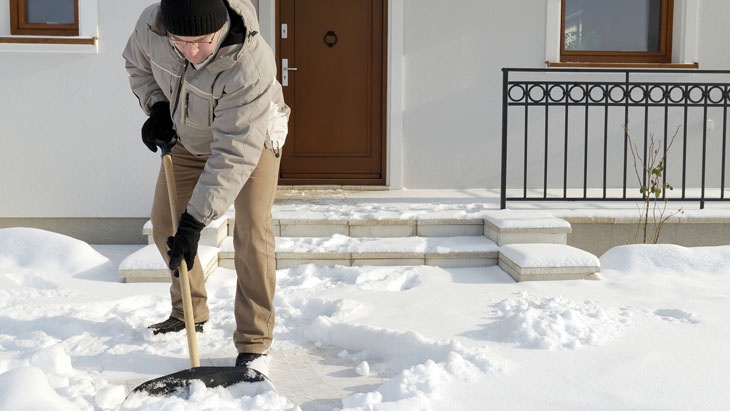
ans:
(210, 376)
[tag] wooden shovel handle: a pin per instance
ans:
(184, 277)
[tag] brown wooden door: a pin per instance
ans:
(336, 92)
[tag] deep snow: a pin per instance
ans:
(652, 334)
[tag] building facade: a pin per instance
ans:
(430, 95)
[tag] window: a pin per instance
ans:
(616, 31)
(44, 17)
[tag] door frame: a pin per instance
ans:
(394, 81)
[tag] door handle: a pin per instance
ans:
(285, 69)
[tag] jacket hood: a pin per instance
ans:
(247, 12)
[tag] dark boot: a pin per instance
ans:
(172, 325)
(244, 359)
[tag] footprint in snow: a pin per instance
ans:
(675, 314)
(29, 280)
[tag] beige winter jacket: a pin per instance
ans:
(227, 110)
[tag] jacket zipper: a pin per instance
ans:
(179, 89)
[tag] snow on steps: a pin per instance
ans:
(464, 251)
(525, 226)
(529, 245)
(532, 262)
(212, 234)
(146, 265)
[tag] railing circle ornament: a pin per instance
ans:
(596, 93)
(676, 94)
(695, 94)
(576, 93)
(637, 93)
(616, 93)
(536, 97)
(520, 88)
(561, 90)
(657, 94)
(716, 95)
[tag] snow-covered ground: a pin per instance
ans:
(652, 334)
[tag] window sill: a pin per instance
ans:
(683, 66)
(43, 44)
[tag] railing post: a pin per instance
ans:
(503, 177)
(705, 97)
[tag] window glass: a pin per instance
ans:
(613, 25)
(50, 11)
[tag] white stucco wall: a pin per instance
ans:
(713, 33)
(70, 125)
(453, 54)
(70, 129)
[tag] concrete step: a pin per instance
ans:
(388, 228)
(544, 262)
(465, 251)
(525, 226)
(146, 264)
(212, 234)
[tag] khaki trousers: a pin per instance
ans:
(253, 242)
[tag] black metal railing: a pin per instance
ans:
(587, 134)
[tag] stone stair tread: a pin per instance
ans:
(365, 212)
(466, 251)
(370, 220)
(211, 235)
(530, 262)
(146, 264)
(548, 255)
(338, 244)
(525, 226)
(525, 220)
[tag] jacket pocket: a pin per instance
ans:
(197, 108)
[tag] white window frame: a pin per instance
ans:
(684, 32)
(88, 30)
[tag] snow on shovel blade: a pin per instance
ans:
(210, 376)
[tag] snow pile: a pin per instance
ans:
(555, 322)
(16, 394)
(39, 254)
(668, 259)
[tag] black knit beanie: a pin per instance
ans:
(193, 17)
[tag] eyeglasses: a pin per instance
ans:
(176, 42)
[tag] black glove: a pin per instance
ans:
(185, 242)
(158, 128)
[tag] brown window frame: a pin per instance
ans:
(663, 55)
(19, 24)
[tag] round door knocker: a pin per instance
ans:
(330, 39)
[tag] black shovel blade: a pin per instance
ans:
(210, 376)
